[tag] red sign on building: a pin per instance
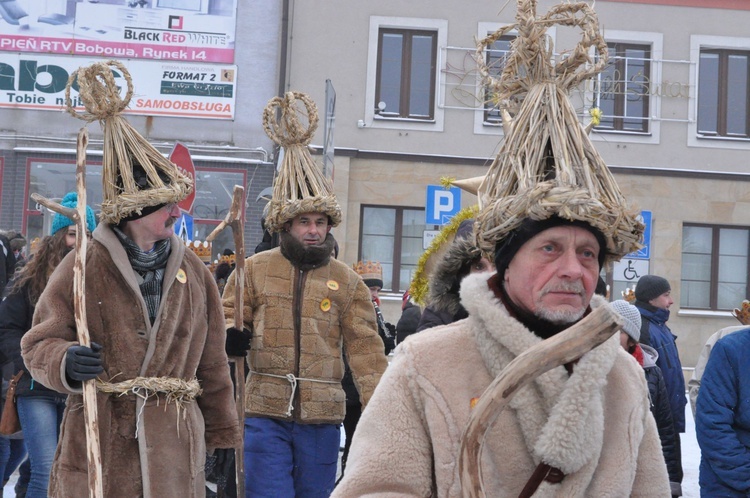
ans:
(181, 157)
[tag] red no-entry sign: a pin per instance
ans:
(181, 157)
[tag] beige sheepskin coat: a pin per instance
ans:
(301, 321)
(167, 457)
(594, 424)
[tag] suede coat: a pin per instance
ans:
(593, 424)
(301, 319)
(186, 341)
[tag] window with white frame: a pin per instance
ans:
(723, 93)
(622, 88)
(392, 236)
(495, 57)
(406, 74)
(714, 266)
(403, 76)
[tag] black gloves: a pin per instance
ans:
(219, 467)
(224, 461)
(82, 363)
(238, 341)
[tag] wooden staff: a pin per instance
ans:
(78, 215)
(234, 220)
(568, 345)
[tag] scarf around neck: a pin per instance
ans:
(561, 415)
(150, 266)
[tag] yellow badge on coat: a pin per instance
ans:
(333, 285)
(325, 304)
(181, 276)
(473, 402)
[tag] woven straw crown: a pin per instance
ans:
(300, 186)
(124, 148)
(547, 165)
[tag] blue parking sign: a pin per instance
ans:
(442, 204)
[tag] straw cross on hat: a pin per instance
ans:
(547, 165)
(134, 174)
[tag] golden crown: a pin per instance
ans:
(201, 249)
(629, 295)
(743, 313)
(229, 259)
(368, 269)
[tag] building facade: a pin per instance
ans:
(194, 69)
(675, 130)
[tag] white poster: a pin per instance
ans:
(161, 88)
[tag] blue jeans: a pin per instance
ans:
(288, 460)
(12, 453)
(40, 418)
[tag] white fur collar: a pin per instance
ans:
(561, 416)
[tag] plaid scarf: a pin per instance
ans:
(150, 266)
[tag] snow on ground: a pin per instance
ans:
(691, 459)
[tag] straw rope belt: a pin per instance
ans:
(293, 381)
(177, 391)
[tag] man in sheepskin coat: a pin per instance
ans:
(302, 306)
(589, 420)
(153, 311)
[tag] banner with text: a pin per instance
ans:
(161, 88)
(184, 30)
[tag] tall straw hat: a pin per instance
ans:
(134, 174)
(300, 186)
(547, 166)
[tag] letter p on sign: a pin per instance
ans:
(442, 204)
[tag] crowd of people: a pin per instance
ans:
(319, 353)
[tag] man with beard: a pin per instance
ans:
(301, 306)
(157, 332)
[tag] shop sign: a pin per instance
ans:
(162, 88)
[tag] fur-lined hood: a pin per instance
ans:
(446, 279)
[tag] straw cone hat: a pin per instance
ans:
(300, 187)
(125, 150)
(547, 165)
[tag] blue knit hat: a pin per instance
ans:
(71, 201)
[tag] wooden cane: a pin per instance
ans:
(78, 215)
(234, 220)
(568, 345)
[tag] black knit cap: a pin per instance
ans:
(141, 180)
(509, 246)
(650, 287)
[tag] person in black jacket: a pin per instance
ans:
(7, 262)
(40, 409)
(659, 399)
(409, 321)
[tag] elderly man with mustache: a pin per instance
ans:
(583, 429)
(155, 321)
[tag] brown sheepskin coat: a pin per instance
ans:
(594, 424)
(335, 310)
(186, 341)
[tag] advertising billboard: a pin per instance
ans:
(184, 30)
